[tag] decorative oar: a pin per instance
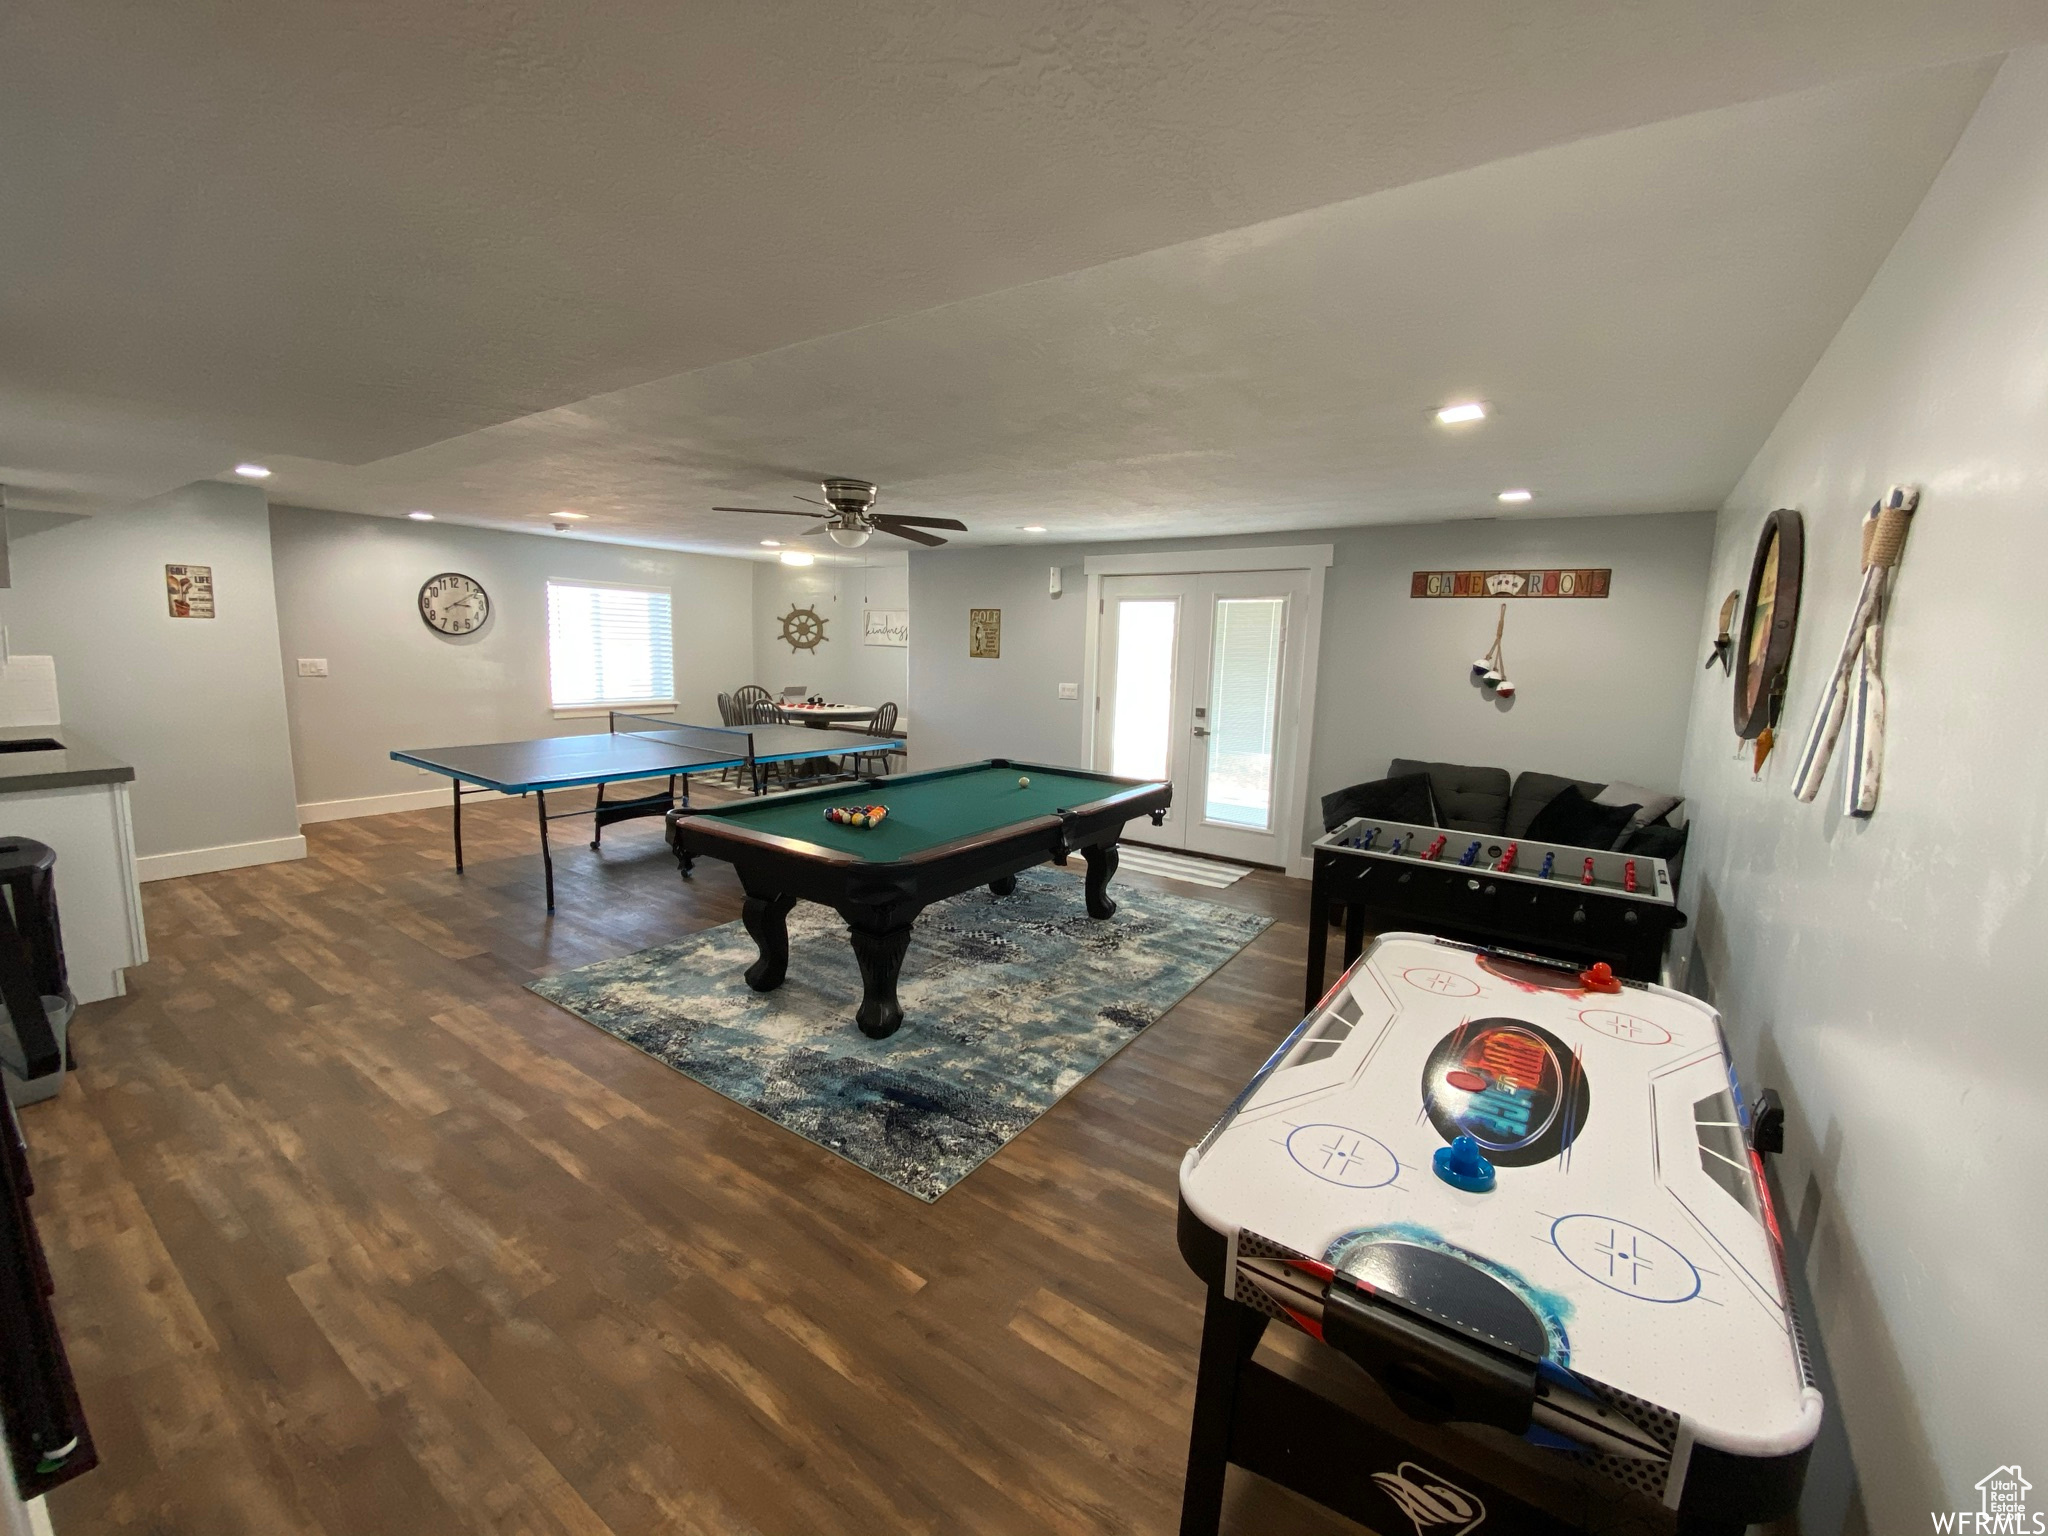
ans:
(1855, 682)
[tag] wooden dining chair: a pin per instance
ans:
(728, 716)
(755, 705)
(881, 723)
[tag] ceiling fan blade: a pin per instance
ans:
(812, 500)
(886, 518)
(911, 534)
(808, 533)
(766, 511)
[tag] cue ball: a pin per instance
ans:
(1024, 783)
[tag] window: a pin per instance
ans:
(1244, 699)
(609, 647)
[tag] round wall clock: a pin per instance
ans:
(454, 604)
(1770, 613)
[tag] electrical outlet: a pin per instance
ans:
(312, 666)
(1070, 690)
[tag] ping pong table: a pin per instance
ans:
(635, 748)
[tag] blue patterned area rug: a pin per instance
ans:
(1008, 1002)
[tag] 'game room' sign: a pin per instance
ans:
(1509, 583)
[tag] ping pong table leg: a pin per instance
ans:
(457, 783)
(547, 858)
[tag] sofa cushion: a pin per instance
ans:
(1575, 821)
(1533, 791)
(1652, 805)
(1405, 797)
(1468, 799)
(1657, 841)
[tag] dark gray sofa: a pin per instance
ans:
(1471, 798)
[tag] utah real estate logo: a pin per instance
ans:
(2001, 1509)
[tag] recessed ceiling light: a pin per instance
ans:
(1031, 528)
(421, 517)
(577, 516)
(797, 557)
(1516, 495)
(1465, 410)
(771, 543)
(253, 471)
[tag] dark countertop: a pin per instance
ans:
(79, 761)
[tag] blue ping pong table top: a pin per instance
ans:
(611, 757)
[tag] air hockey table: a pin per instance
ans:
(1517, 1195)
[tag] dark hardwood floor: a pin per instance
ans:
(353, 1234)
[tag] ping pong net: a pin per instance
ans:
(717, 743)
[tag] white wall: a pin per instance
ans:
(843, 669)
(348, 590)
(1886, 974)
(197, 705)
(1602, 684)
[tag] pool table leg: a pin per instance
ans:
(764, 917)
(1102, 862)
(879, 951)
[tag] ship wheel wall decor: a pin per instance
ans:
(803, 628)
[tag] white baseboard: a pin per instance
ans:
(385, 805)
(205, 861)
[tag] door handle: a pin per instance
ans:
(1201, 730)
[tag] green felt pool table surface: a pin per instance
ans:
(925, 809)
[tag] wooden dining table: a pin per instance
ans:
(821, 715)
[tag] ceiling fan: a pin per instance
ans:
(848, 517)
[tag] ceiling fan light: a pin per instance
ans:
(848, 538)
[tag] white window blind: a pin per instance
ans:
(609, 646)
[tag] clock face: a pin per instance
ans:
(454, 604)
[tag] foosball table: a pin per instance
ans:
(1583, 904)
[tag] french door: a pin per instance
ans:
(1199, 681)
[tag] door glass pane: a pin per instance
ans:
(1244, 694)
(1144, 686)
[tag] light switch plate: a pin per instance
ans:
(312, 666)
(1070, 690)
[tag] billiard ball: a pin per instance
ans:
(1024, 783)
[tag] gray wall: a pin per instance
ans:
(197, 705)
(348, 590)
(842, 669)
(1602, 684)
(1886, 974)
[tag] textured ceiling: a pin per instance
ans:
(1638, 308)
(344, 232)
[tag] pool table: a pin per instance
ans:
(947, 831)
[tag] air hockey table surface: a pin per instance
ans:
(1628, 1245)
